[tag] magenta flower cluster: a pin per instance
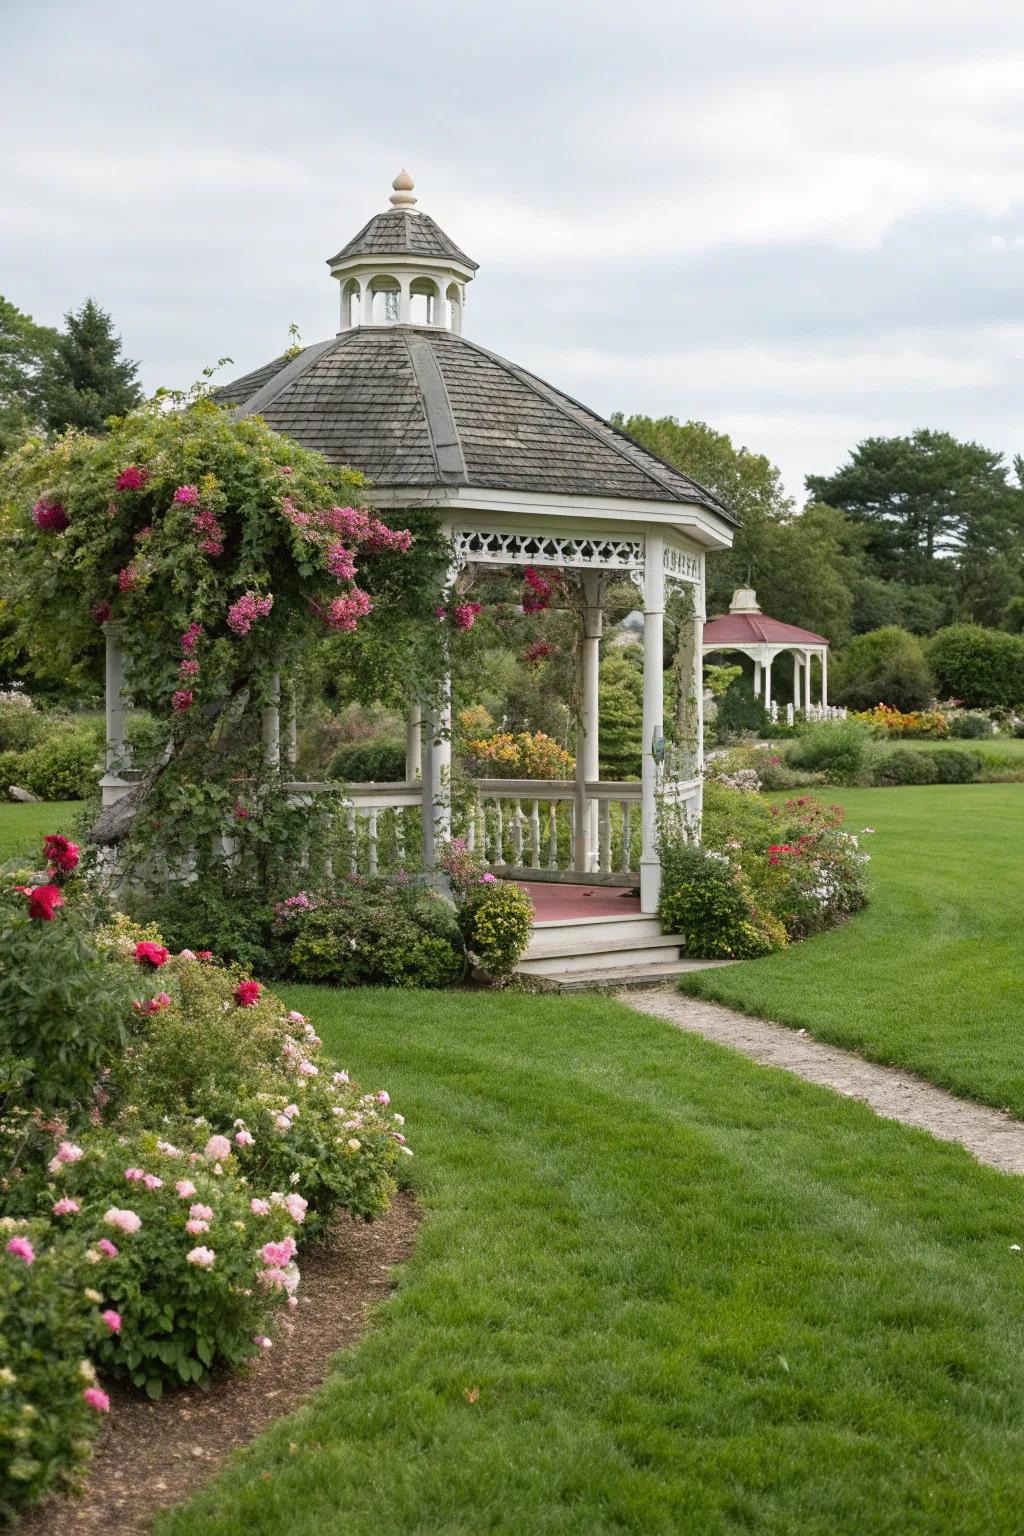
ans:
(244, 612)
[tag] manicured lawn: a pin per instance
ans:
(23, 827)
(931, 975)
(657, 1290)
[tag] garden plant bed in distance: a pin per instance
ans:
(151, 1455)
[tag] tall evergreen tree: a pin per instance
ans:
(25, 349)
(87, 379)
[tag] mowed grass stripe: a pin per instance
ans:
(692, 1294)
(931, 976)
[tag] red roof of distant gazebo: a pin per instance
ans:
(745, 624)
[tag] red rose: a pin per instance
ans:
(50, 516)
(43, 901)
(132, 478)
(247, 993)
(60, 853)
(204, 954)
(153, 954)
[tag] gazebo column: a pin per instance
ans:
(270, 724)
(768, 682)
(413, 743)
(588, 750)
(112, 785)
(757, 678)
(796, 680)
(437, 776)
(654, 718)
(807, 682)
(824, 678)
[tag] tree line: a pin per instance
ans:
(920, 531)
(55, 378)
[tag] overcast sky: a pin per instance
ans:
(799, 220)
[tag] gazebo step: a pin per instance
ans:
(584, 954)
(613, 978)
(569, 931)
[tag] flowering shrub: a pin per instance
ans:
(373, 933)
(65, 1008)
(886, 721)
(520, 755)
(495, 916)
(173, 1248)
(838, 749)
(50, 1406)
(708, 901)
(753, 768)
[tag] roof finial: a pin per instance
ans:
(402, 196)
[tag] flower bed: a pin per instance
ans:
(170, 1140)
(764, 875)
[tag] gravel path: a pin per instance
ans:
(992, 1135)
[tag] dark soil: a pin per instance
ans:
(148, 1452)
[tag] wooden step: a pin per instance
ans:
(586, 954)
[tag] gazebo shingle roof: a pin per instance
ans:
(401, 232)
(422, 406)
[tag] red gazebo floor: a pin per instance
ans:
(554, 902)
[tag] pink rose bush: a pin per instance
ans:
(177, 1193)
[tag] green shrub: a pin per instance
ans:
(496, 918)
(361, 762)
(21, 723)
(48, 1330)
(228, 915)
(970, 727)
(739, 712)
(902, 765)
(984, 668)
(707, 901)
(885, 666)
(836, 748)
(64, 765)
(65, 1008)
(374, 933)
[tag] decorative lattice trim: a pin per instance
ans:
(477, 547)
(679, 566)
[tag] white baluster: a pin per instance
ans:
(627, 837)
(517, 834)
(372, 828)
(350, 823)
(499, 852)
(604, 837)
(535, 834)
(400, 834)
(552, 834)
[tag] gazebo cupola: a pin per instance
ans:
(402, 269)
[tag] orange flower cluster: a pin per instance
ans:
(521, 755)
(884, 720)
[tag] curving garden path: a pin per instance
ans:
(992, 1135)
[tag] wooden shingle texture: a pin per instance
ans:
(384, 399)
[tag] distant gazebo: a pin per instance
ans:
(752, 633)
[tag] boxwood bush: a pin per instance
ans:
(372, 933)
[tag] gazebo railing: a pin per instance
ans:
(515, 826)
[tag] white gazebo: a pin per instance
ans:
(748, 631)
(519, 474)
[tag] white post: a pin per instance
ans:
(437, 774)
(768, 683)
(588, 766)
(404, 301)
(367, 301)
(807, 682)
(291, 747)
(654, 717)
(796, 681)
(757, 678)
(824, 678)
(413, 743)
(270, 724)
(114, 698)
